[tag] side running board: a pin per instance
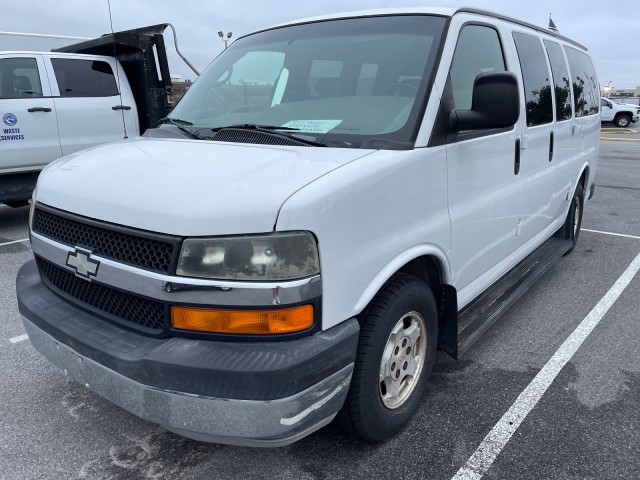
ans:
(475, 318)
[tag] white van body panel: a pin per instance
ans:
(517, 213)
(430, 118)
(484, 194)
(536, 171)
(202, 188)
(371, 217)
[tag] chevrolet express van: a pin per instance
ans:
(331, 202)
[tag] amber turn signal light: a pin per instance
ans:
(243, 322)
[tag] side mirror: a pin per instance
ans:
(495, 103)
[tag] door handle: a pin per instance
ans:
(516, 166)
(121, 107)
(551, 146)
(38, 109)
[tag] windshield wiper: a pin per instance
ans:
(273, 130)
(180, 124)
(253, 126)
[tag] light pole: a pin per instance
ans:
(225, 40)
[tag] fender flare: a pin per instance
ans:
(396, 264)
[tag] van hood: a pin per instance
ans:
(186, 187)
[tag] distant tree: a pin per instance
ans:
(539, 106)
(579, 100)
(563, 100)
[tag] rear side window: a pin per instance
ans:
(585, 85)
(562, 84)
(535, 74)
(478, 51)
(19, 78)
(84, 78)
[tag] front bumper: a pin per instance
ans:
(249, 393)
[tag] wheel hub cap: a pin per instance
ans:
(576, 219)
(403, 359)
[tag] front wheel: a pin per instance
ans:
(396, 352)
(623, 121)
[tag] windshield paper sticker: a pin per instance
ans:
(313, 126)
(7, 134)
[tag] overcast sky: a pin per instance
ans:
(609, 29)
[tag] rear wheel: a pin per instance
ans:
(573, 222)
(396, 352)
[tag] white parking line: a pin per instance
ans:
(19, 338)
(611, 233)
(495, 441)
(14, 241)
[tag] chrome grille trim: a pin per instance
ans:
(172, 289)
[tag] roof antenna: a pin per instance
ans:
(124, 124)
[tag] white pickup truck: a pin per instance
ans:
(621, 114)
(57, 103)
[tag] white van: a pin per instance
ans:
(331, 202)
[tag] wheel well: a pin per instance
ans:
(623, 114)
(426, 268)
(583, 178)
(429, 269)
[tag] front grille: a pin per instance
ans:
(134, 247)
(237, 135)
(124, 306)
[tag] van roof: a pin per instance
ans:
(440, 11)
(520, 22)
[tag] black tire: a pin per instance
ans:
(571, 228)
(364, 413)
(623, 121)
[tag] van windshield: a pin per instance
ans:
(343, 81)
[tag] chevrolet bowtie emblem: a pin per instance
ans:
(80, 260)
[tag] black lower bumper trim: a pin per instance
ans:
(238, 370)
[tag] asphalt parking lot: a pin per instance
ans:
(585, 425)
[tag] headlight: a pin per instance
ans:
(271, 257)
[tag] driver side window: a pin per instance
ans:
(478, 51)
